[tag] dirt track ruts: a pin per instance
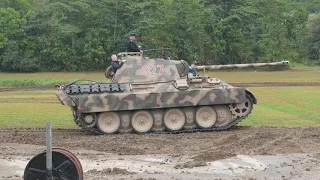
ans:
(206, 146)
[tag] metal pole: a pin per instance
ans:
(49, 150)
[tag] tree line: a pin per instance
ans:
(81, 35)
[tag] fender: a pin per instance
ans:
(254, 99)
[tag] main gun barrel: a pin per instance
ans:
(282, 63)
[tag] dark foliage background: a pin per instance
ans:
(81, 35)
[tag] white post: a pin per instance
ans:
(49, 150)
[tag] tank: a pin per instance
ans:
(155, 96)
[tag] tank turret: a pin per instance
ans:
(134, 70)
(156, 95)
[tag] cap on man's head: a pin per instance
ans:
(132, 34)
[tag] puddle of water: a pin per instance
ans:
(239, 165)
(12, 168)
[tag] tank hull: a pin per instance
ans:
(91, 103)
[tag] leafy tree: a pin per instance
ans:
(314, 27)
(81, 35)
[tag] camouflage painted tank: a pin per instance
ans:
(156, 95)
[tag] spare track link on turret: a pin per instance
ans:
(233, 123)
(94, 88)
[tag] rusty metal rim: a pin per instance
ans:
(64, 153)
(73, 158)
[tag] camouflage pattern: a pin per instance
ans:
(127, 100)
(65, 99)
(137, 69)
(150, 85)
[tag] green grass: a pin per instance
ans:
(297, 74)
(299, 66)
(31, 109)
(277, 106)
(25, 82)
(46, 79)
(35, 115)
(28, 94)
(58, 76)
(285, 106)
(279, 76)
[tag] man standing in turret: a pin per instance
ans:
(132, 46)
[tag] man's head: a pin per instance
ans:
(194, 64)
(114, 57)
(132, 37)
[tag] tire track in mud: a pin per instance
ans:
(202, 147)
(264, 147)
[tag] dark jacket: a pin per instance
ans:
(132, 47)
(115, 66)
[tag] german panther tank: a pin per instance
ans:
(156, 95)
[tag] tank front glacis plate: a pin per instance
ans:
(124, 101)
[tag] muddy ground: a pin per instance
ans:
(240, 153)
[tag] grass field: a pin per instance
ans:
(299, 74)
(277, 106)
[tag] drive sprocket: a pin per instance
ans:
(242, 109)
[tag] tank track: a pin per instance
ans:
(94, 130)
(93, 88)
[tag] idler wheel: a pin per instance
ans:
(142, 121)
(242, 109)
(206, 116)
(174, 119)
(65, 166)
